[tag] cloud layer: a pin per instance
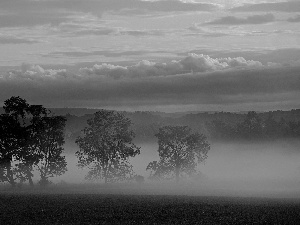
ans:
(6, 39)
(282, 6)
(192, 63)
(222, 81)
(232, 20)
(31, 13)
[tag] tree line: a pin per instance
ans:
(32, 139)
(253, 127)
(217, 126)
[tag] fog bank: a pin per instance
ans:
(267, 169)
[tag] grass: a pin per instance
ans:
(61, 207)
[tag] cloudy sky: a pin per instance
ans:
(166, 55)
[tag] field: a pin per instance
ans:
(79, 208)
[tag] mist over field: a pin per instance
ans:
(261, 169)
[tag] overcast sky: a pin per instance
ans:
(166, 55)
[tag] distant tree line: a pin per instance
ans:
(215, 125)
(253, 127)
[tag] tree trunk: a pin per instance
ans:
(177, 174)
(29, 176)
(30, 180)
(10, 176)
(177, 166)
(44, 181)
(105, 172)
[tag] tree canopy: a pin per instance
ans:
(29, 136)
(106, 145)
(180, 151)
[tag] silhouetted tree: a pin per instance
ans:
(48, 147)
(106, 146)
(13, 136)
(28, 157)
(271, 127)
(218, 129)
(251, 127)
(294, 129)
(27, 131)
(179, 150)
(11, 141)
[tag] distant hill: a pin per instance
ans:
(73, 111)
(146, 124)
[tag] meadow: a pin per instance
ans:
(79, 208)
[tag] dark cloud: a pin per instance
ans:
(295, 19)
(218, 87)
(284, 6)
(16, 40)
(30, 13)
(141, 32)
(199, 30)
(79, 29)
(193, 80)
(216, 31)
(27, 19)
(101, 53)
(93, 31)
(232, 20)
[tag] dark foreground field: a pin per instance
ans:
(144, 209)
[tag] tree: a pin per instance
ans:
(218, 129)
(180, 151)
(11, 141)
(106, 146)
(251, 127)
(29, 157)
(48, 147)
(271, 127)
(13, 137)
(29, 136)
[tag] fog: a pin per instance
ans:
(268, 169)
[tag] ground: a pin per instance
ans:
(77, 208)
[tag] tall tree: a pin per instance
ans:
(48, 147)
(29, 137)
(219, 129)
(106, 146)
(251, 127)
(11, 142)
(13, 136)
(180, 151)
(29, 157)
(271, 127)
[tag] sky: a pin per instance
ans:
(159, 55)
